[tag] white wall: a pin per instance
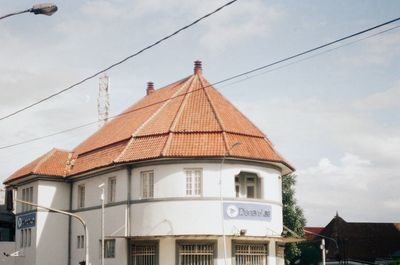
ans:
(29, 253)
(175, 213)
(93, 192)
(19, 194)
(171, 212)
(169, 180)
(115, 226)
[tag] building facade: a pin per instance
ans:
(187, 180)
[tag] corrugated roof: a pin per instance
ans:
(188, 118)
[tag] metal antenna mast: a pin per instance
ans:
(103, 102)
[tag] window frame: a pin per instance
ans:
(27, 195)
(80, 241)
(242, 185)
(112, 189)
(193, 182)
(147, 184)
(106, 247)
(213, 243)
(234, 243)
(81, 196)
(143, 243)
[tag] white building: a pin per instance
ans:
(188, 180)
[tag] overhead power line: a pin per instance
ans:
(312, 56)
(224, 80)
(308, 51)
(117, 63)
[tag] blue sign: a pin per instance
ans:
(26, 220)
(247, 211)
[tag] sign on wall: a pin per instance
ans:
(26, 220)
(247, 211)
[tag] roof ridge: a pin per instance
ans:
(177, 116)
(219, 121)
(182, 106)
(99, 148)
(173, 96)
(123, 151)
(238, 111)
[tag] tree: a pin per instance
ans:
(293, 217)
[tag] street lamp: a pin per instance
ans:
(322, 246)
(101, 186)
(222, 199)
(38, 9)
(65, 213)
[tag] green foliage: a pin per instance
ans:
(293, 217)
(310, 253)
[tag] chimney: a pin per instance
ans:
(197, 67)
(150, 88)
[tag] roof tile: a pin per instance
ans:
(188, 118)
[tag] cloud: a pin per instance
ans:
(379, 50)
(380, 100)
(356, 172)
(355, 187)
(245, 21)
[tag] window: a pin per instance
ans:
(29, 237)
(81, 196)
(144, 253)
(21, 243)
(196, 253)
(280, 250)
(112, 185)
(193, 181)
(247, 186)
(27, 195)
(147, 184)
(26, 238)
(248, 253)
(80, 241)
(109, 248)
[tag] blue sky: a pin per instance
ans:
(335, 117)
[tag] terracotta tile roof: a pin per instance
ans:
(97, 158)
(53, 163)
(188, 118)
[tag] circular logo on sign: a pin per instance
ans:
(19, 222)
(232, 211)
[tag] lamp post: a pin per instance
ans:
(38, 9)
(222, 199)
(65, 213)
(322, 246)
(101, 186)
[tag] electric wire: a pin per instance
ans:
(213, 84)
(117, 63)
(312, 56)
(307, 51)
